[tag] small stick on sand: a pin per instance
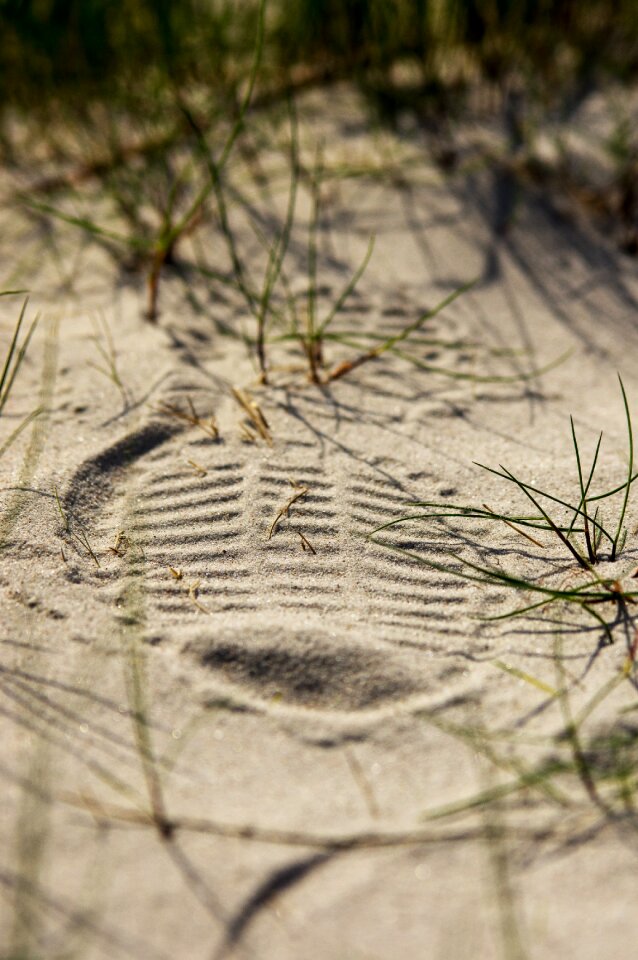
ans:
(305, 543)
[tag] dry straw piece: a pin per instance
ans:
(300, 491)
(255, 415)
(190, 416)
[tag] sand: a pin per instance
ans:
(217, 744)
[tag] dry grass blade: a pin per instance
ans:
(254, 413)
(124, 544)
(190, 416)
(516, 529)
(121, 544)
(246, 434)
(193, 596)
(300, 491)
(197, 467)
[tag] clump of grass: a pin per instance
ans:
(13, 361)
(181, 203)
(584, 534)
(125, 51)
(313, 333)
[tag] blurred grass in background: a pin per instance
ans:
(73, 52)
(148, 97)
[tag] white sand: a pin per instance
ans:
(348, 693)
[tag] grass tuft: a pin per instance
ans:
(596, 591)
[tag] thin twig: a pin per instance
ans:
(305, 543)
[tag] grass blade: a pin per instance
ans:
(279, 248)
(14, 360)
(343, 368)
(631, 466)
(597, 534)
(349, 287)
(559, 533)
(485, 378)
(549, 496)
(7, 364)
(583, 495)
(22, 426)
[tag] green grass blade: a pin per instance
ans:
(90, 227)
(389, 344)
(582, 504)
(471, 514)
(4, 377)
(478, 378)
(601, 620)
(583, 496)
(428, 315)
(9, 372)
(519, 611)
(630, 434)
(347, 290)
(579, 559)
(216, 166)
(548, 496)
(18, 360)
(252, 80)
(22, 426)
(527, 677)
(311, 344)
(279, 248)
(610, 493)
(489, 575)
